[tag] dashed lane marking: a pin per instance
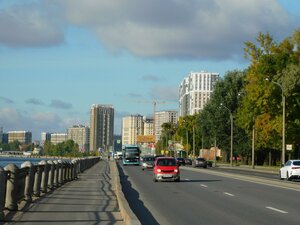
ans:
(276, 210)
(229, 194)
(203, 185)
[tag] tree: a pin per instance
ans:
(261, 106)
(67, 148)
(14, 146)
(214, 120)
(168, 132)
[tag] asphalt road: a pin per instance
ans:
(210, 197)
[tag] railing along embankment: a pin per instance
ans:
(20, 185)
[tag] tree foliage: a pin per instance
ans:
(274, 70)
(67, 148)
(254, 98)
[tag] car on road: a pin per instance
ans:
(290, 170)
(200, 162)
(188, 161)
(147, 162)
(166, 169)
(180, 161)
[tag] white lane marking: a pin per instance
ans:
(276, 210)
(187, 179)
(203, 185)
(229, 194)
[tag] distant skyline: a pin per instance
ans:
(59, 57)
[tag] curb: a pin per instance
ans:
(128, 215)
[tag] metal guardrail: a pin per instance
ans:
(21, 184)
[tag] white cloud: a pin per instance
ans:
(31, 25)
(204, 29)
(198, 29)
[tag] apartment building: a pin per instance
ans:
(45, 136)
(101, 127)
(80, 135)
(169, 116)
(24, 137)
(56, 138)
(148, 127)
(132, 126)
(195, 91)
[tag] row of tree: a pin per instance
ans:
(254, 99)
(15, 146)
(67, 148)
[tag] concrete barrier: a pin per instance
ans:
(21, 184)
(3, 179)
(29, 181)
(128, 215)
(51, 174)
(37, 180)
(56, 173)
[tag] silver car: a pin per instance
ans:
(147, 162)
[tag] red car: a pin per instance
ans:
(166, 169)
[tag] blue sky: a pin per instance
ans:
(58, 57)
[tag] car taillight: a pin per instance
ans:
(158, 170)
(294, 168)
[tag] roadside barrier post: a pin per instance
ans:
(11, 200)
(3, 177)
(51, 174)
(38, 180)
(29, 181)
(75, 162)
(45, 175)
(60, 174)
(56, 173)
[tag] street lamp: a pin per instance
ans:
(231, 133)
(283, 120)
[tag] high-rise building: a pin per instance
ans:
(45, 136)
(24, 137)
(148, 127)
(132, 126)
(80, 135)
(101, 127)
(195, 91)
(56, 138)
(169, 116)
(117, 143)
(1, 135)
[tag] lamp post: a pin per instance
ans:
(283, 120)
(253, 147)
(231, 134)
(193, 141)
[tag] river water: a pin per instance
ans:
(4, 160)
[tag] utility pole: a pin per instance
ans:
(231, 134)
(283, 120)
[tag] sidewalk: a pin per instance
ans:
(89, 200)
(261, 169)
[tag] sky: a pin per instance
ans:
(59, 57)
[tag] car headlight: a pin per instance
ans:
(176, 170)
(158, 170)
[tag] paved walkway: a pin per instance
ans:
(89, 200)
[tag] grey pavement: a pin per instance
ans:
(89, 200)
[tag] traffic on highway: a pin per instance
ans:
(211, 196)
